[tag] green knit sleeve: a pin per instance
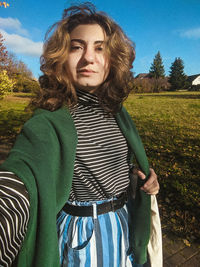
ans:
(27, 160)
(43, 158)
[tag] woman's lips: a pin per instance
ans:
(86, 71)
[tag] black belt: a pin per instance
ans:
(86, 211)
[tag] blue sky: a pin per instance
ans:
(169, 26)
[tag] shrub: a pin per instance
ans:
(150, 85)
(6, 84)
(195, 88)
(26, 85)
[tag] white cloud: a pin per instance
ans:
(14, 25)
(191, 33)
(22, 45)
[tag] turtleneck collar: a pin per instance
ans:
(86, 97)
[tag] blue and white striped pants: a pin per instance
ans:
(100, 241)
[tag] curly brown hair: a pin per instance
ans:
(56, 86)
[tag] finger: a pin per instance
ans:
(139, 173)
(151, 189)
(152, 184)
(152, 193)
(152, 178)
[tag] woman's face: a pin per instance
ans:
(87, 62)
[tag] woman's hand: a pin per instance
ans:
(151, 187)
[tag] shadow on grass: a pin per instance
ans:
(23, 96)
(184, 96)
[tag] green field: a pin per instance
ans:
(12, 115)
(169, 124)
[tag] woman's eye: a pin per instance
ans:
(75, 47)
(99, 48)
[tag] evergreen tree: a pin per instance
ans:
(157, 69)
(177, 77)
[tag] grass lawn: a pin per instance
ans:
(13, 115)
(169, 125)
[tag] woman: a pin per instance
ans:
(67, 179)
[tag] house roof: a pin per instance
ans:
(142, 75)
(191, 78)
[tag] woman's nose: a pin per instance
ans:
(89, 55)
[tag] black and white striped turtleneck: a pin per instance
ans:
(14, 216)
(101, 166)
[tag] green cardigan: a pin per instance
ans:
(43, 157)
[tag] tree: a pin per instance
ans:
(9, 62)
(148, 85)
(177, 77)
(157, 69)
(3, 54)
(15, 67)
(15, 70)
(24, 70)
(5, 4)
(25, 84)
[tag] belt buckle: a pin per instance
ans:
(112, 205)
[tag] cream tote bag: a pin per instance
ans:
(155, 242)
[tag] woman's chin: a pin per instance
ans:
(86, 87)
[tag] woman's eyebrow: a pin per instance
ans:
(99, 42)
(78, 41)
(84, 42)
